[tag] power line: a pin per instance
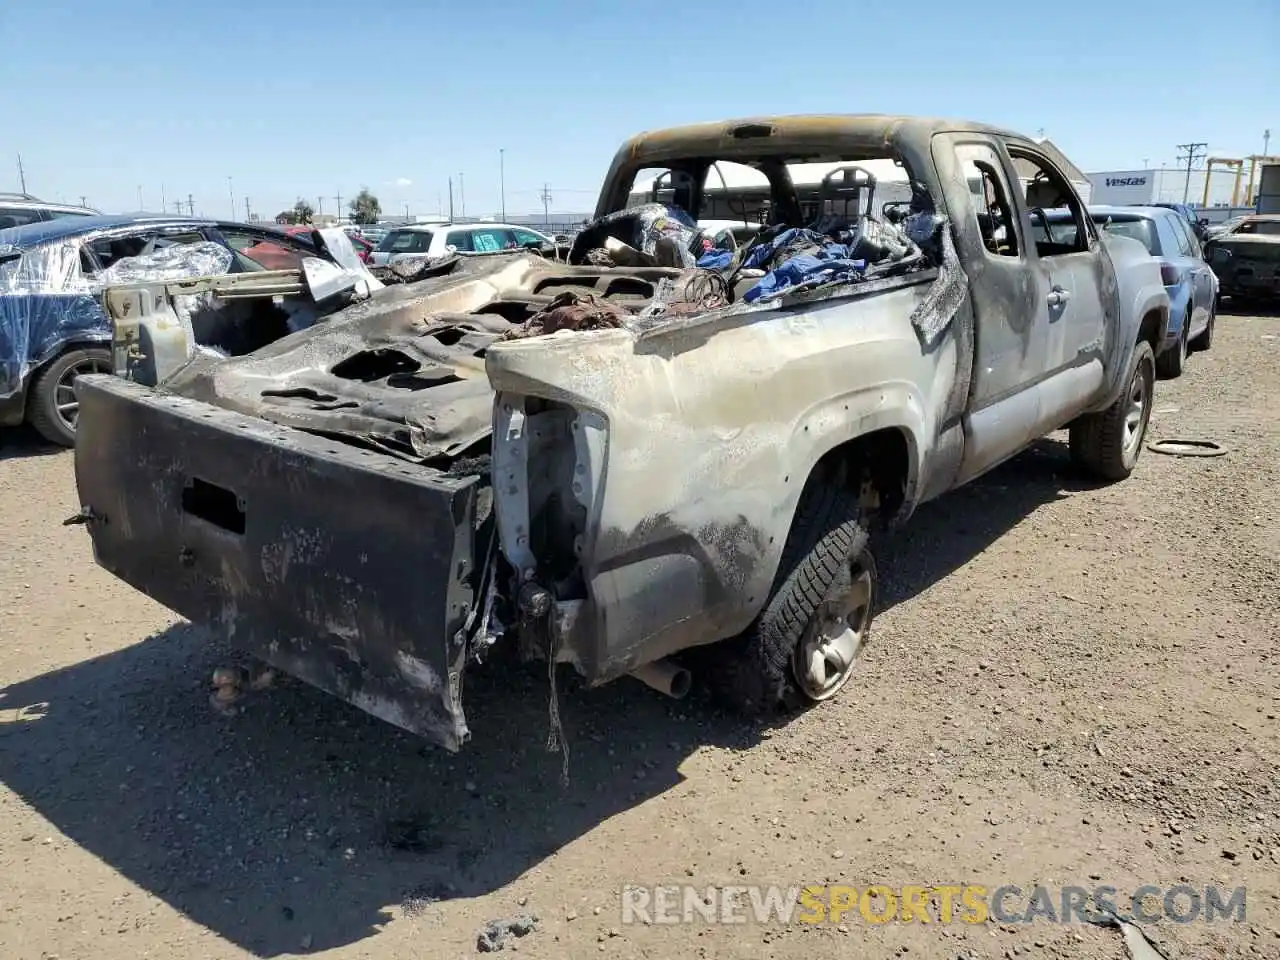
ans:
(1191, 152)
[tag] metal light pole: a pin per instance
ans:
(502, 184)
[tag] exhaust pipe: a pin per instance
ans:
(665, 677)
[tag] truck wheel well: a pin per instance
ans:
(876, 465)
(1149, 329)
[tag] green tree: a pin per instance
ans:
(365, 207)
(303, 212)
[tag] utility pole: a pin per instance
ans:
(406, 211)
(84, 201)
(1191, 152)
(451, 199)
(338, 200)
(22, 177)
(462, 197)
(191, 205)
(232, 195)
(320, 207)
(248, 211)
(139, 197)
(502, 184)
(1266, 142)
(546, 205)
(163, 204)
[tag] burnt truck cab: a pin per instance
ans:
(664, 448)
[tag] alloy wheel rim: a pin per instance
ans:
(1135, 417)
(64, 393)
(835, 638)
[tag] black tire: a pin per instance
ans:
(1170, 363)
(827, 543)
(1204, 342)
(1098, 440)
(42, 406)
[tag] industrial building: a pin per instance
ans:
(1225, 185)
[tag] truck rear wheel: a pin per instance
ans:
(809, 638)
(1107, 444)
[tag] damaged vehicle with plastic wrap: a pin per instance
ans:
(53, 327)
(662, 459)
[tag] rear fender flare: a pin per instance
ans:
(1147, 302)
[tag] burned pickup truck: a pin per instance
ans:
(664, 452)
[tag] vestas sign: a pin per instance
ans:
(1122, 186)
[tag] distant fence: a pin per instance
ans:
(567, 227)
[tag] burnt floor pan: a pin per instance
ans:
(343, 567)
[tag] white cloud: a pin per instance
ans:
(403, 182)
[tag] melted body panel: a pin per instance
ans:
(706, 439)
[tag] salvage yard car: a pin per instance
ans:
(52, 273)
(434, 240)
(1246, 258)
(630, 469)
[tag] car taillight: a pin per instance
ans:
(1170, 275)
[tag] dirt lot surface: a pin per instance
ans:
(1068, 686)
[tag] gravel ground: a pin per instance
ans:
(1068, 685)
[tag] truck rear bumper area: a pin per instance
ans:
(346, 568)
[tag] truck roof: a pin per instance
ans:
(798, 134)
(804, 139)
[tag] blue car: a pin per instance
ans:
(1191, 283)
(52, 273)
(1198, 227)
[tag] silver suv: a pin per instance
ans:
(19, 209)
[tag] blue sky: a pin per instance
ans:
(318, 98)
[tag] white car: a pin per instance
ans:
(20, 209)
(439, 239)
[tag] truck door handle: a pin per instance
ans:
(1057, 296)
